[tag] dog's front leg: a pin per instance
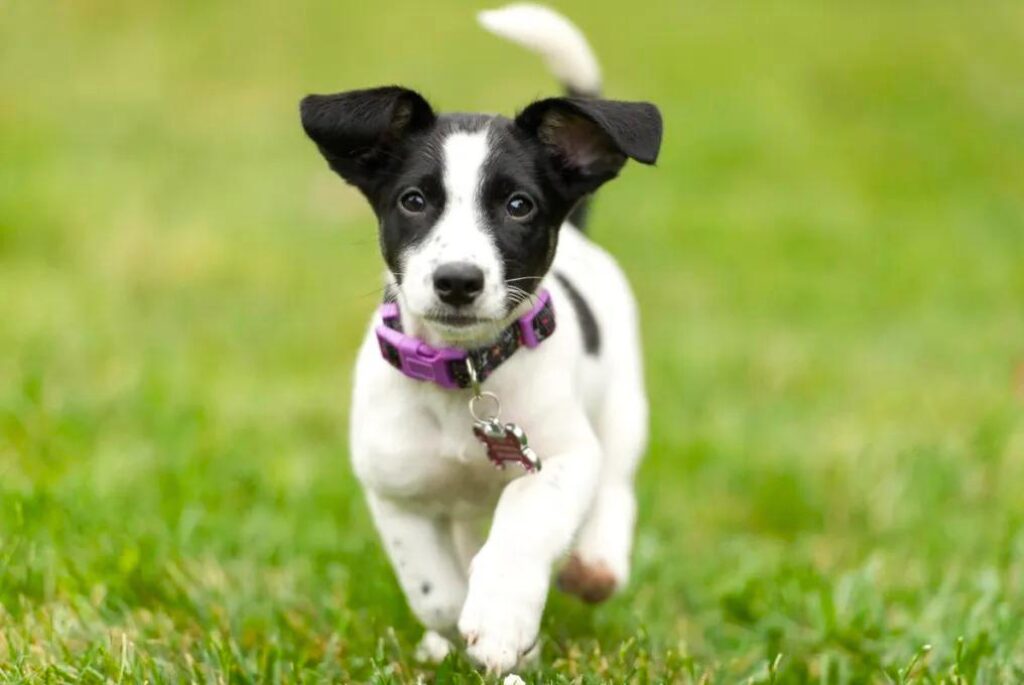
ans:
(421, 552)
(534, 524)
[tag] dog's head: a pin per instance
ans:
(469, 206)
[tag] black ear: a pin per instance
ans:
(361, 131)
(589, 140)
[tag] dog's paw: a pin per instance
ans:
(498, 640)
(501, 618)
(592, 582)
(433, 648)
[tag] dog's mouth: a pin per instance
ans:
(450, 320)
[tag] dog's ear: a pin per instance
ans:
(589, 140)
(360, 132)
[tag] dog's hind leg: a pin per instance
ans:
(467, 539)
(600, 561)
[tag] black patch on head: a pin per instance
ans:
(386, 141)
(420, 166)
(584, 315)
(527, 245)
(425, 588)
(557, 151)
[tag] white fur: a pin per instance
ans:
(460, 234)
(430, 484)
(433, 648)
(558, 40)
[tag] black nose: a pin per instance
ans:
(458, 283)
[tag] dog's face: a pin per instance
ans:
(469, 206)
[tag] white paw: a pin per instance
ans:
(501, 617)
(497, 640)
(433, 648)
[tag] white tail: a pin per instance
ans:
(546, 32)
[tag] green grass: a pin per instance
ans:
(830, 260)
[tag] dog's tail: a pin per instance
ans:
(552, 36)
(564, 48)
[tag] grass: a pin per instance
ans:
(829, 260)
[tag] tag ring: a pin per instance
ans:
(479, 396)
(490, 416)
(474, 379)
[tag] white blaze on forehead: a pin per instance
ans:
(461, 233)
(464, 157)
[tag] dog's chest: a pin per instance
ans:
(425, 451)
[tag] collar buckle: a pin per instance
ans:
(444, 366)
(417, 359)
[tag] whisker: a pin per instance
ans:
(518, 296)
(524, 278)
(375, 291)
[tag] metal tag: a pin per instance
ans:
(506, 443)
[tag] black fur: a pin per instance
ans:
(363, 134)
(581, 212)
(588, 140)
(584, 315)
(387, 140)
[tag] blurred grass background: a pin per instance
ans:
(830, 262)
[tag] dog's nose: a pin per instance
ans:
(458, 283)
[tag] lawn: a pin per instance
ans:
(830, 264)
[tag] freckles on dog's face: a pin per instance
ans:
(469, 225)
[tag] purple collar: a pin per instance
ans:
(446, 366)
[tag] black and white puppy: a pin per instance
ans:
(477, 215)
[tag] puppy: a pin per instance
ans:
(508, 340)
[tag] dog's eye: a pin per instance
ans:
(519, 206)
(413, 202)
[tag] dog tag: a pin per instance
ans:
(506, 443)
